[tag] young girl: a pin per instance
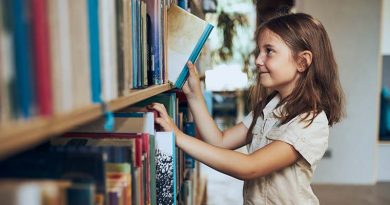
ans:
(297, 97)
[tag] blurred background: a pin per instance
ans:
(356, 166)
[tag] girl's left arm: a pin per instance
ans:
(273, 157)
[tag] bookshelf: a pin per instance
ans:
(85, 66)
(18, 136)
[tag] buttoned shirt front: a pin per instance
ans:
(290, 185)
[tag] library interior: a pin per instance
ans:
(79, 78)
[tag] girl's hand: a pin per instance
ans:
(164, 120)
(191, 87)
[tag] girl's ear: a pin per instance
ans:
(305, 59)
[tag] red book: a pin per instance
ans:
(41, 56)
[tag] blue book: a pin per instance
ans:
(187, 35)
(23, 89)
(94, 48)
(154, 11)
(135, 48)
(189, 129)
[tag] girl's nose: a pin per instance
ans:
(259, 60)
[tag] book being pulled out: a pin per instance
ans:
(186, 36)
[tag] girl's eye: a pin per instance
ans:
(269, 51)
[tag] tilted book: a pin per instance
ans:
(186, 36)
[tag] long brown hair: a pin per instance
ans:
(318, 87)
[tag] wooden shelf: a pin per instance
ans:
(18, 136)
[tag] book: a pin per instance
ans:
(80, 53)
(60, 53)
(94, 48)
(129, 121)
(23, 88)
(119, 176)
(154, 11)
(6, 61)
(165, 168)
(41, 57)
(108, 39)
(168, 99)
(135, 143)
(79, 165)
(127, 44)
(186, 36)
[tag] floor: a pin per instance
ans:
(356, 195)
(222, 189)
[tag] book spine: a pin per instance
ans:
(144, 45)
(108, 50)
(135, 43)
(61, 69)
(7, 68)
(94, 47)
(128, 45)
(139, 45)
(24, 85)
(81, 65)
(41, 57)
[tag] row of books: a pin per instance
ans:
(60, 55)
(133, 164)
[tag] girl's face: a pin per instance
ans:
(275, 63)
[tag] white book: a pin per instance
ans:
(79, 41)
(61, 60)
(165, 168)
(109, 67)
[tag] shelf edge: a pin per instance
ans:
(18, 136)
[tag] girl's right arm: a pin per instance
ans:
(232, 138)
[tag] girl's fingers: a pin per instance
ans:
(191, 68)
(160, 109)
(163, 123)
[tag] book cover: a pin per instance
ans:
(165, 168)
(186, 36)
